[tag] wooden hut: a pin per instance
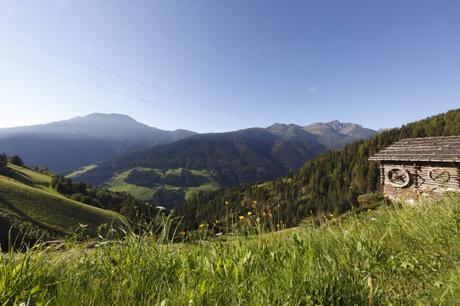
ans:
(416, 167)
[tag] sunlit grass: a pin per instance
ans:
(81, 171)
(27, 202)
(119, 183)
(399, 255)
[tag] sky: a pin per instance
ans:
(212, 66)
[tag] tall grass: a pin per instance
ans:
(399, 255)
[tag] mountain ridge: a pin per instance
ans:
(95, 137)
(336, 134)
(230, 158)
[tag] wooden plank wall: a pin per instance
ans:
(421, 180)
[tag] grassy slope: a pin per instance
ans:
(119, 184)
(400, 256)
(81, 171)
(27, 202)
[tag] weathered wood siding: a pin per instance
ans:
(421, 182)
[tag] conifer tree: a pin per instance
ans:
(16, 160)
(3, 163)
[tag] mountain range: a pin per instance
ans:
(170, 173)
(175, 173)
(336, 134)
(69, 144)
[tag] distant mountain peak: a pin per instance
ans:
(289, 130)
(106, 118)
(108, 115)
(69, 144)
(336, 134)
(338, 125)
(333, 135)
(281, 126)
(336, 122)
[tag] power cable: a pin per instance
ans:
(109, 72)
(108, 89)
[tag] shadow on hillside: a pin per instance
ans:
(24, 217)
(21, 177)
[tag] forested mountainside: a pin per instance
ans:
(330, 183)
(171, 173)
(230, 157)
(69, 144)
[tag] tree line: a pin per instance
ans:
(120, 202)
(4, 160)
(328, 184)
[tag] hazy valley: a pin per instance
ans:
(168, 174)
(70, 144)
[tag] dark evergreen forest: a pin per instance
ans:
(330, 183)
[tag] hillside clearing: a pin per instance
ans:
(28, 204)
(120, 182)
(81, 171)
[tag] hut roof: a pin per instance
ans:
(436, 149)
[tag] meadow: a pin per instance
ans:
(395, 254)
(169, 181)
(29, 204)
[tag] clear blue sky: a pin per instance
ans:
(230, 64)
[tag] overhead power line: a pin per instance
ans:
(108, 89)
(109, 72)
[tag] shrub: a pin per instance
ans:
(369, 199)
(16, 160)
(3, 163)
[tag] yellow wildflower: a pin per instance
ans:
(201, 226)
(249, 213)
(369, 282)
(241, 218)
